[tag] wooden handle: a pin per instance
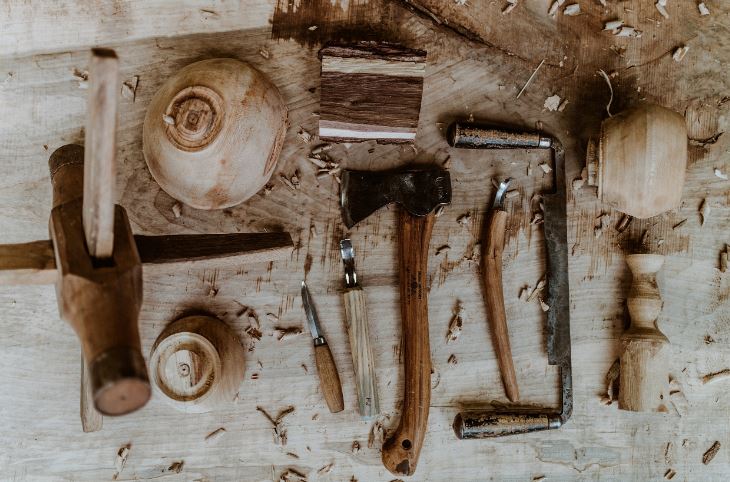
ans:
(644, 372)
(356, 318)
(91, 419)
(100, 152)
(329, 379)
(476, 425)
(494, 297)
(401, 451)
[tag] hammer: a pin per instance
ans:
(419, 192)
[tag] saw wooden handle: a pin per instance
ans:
(356, 318)
(401, 451)
(329, 379)
(494, 297)
(643, 373)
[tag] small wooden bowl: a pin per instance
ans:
(213, 133)
(197, 364)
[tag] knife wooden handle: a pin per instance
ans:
(356, 318)
(494, 297)
(401, 451)
(477, 424)
(329, 379)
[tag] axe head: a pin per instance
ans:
(418, 191)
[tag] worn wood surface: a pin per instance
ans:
(478, 61)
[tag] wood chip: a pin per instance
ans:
(455, 324)
(439, 211)
(627, 31)
(295, 180)
(720, 174)
(121, 460)
(705, 210)
(168, 119)
(677, 398)
(679, 224)
(572, 10)
(563, 105)
(264, 53)
(724, 255)
(326, 469)
(611, 382)
(679, 53)
(511, 4)
(552, 103)
(703, 9)
(524, 293)
(603, 222)
(537, 290)
(661, 6)
(279, 432)
(287, 182)
(268, 188)
(129, 88)
(613, 26)
(554, 7)
(177, 210)
(624, 223)
(537, 218)
(452, 360)
(176, 467)
(545, 307)
(215, 435)
(711, 452)
(716, 376)
(442, 249)
(376, 435)
(669, 474)
(464, 219)
(292, 475)
(355, 447)
(304, 136)
(283, 332)
(545, 167)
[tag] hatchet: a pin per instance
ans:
(419, 193)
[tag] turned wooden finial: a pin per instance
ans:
(644, 373)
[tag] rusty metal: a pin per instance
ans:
(487, 424)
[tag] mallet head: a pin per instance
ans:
(418, 191)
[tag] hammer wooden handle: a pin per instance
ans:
(401, 451)
(644, 372)
(494, 297)
(329, 379)
(356, 318)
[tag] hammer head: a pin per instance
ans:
(418, 191)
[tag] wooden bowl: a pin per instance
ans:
(642, 159)
(213, 133)
(197, 364)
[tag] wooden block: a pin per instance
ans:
(370, 90)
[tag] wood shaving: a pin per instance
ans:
(603, 222)
(326, 469)
(534, 73)
(705, 210)
(176, 467)
(627, 31)
(661, 7)
(677, 398)
(295, 180)
(613, 26)
(537, 290)
(312, 28)
(669, 474)
(716, 376)
(456, 323)
(279, 432)
(537, 218)
(724, 259)
(442, 249)
(538, 478)
(304, 136)
(703, 9)
(177, 210)
(524, 293)
(552, 103)
(705, 142)
(545, 167)
(711, 452)
(318, 162)
(545, 307)
(563, 105)
(464, 219)
(287, 182)
(511, 4)
(264, 53)
(121, 460)
(572, 10)
(82, 77)
(554, 7)
(168, 119)
(292, 475)
(268, 188)
(355, 447)
(679, 53)
(376, 435)
(283, 332)
(215, 435)
(439, 211)
(624, 223)
(610, 88)
(129, 88)
(292, 455)
(452, 360)
(611, 382)
(679, 224)
(720, 174)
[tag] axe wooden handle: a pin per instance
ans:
(401, 451)
(494, 297)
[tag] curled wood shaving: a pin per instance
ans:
(661, 8)
(603, 222)
(524, 293)
(679, 224)
(452, 360)
(442, 249)
(711, 452)
(716, 376)
(611, 382)
(121, 460)
(679, 53)
(705, 210)
(283, 332)
(539, 287)
(703, 9)
(552, 103)
(177, 210)
(278, 432)
(292, 475)
(705, 142)
(215, 435)
(720, 174)
(295, 180)
(176, 467)
(545, 307)
(572, 10)
(610, 88)
(511, 4)
(537, 218)
(439, 211)
(456, 323)
(292, 455)
(355, 447)
(669, 474)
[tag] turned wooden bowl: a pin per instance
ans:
(642, 159)
(197, 364)
(213, 133)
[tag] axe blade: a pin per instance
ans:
(418, 191)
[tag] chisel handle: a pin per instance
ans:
(363, 363)
(329, 379)
(485, 424)
(401, 451)
(494, 297)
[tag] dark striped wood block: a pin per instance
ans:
(370, 90)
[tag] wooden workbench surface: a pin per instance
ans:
(478, 60)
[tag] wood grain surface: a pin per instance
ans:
(478, 61)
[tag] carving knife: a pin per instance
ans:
(329, 379)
